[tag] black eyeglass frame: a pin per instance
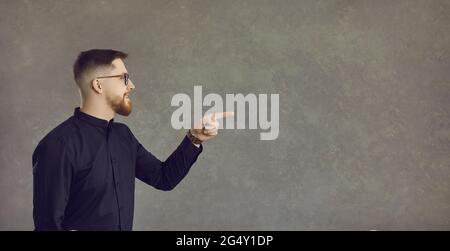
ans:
(126, 76)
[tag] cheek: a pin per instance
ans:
(114, 93)
(114, 96)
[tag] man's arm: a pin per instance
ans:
(52, 174)
(166, 175)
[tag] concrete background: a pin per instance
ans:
(364, 90)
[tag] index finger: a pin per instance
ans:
(219, 115)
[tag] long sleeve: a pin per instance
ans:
(52, 174)
(166, 175)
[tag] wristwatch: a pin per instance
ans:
(193, 139)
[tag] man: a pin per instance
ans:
(84, 170)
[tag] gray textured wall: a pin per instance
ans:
(364, 107)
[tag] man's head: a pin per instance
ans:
(100, 75)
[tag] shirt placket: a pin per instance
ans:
(116, 175)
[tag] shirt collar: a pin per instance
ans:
(91, 119)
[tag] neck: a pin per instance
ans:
(97, 109)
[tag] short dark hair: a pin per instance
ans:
(88, 60)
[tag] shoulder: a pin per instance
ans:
(62, 132)
(125, 133)
(59, 137)
(123, 129)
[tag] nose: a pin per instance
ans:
(131, 85)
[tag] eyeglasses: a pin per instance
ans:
(125, 76)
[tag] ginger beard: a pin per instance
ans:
(121, 104)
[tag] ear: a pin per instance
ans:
(96, 86)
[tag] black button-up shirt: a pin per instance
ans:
(84, 174)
